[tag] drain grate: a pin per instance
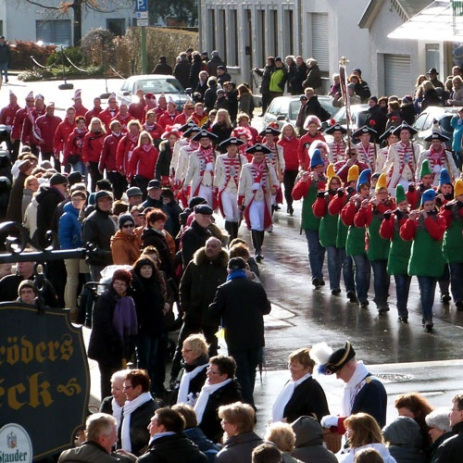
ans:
(393, 376)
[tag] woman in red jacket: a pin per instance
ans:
(290, 143)
(126, 146)
(73, 148)
(92, 148)
(142, 163)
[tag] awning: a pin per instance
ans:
(441, 21)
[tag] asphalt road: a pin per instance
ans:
(405, 356)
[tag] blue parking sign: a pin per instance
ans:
(141, 5)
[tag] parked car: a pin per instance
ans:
(424, 123)
(156, 84)
(285, 109)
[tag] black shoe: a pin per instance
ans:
(259, 257)
(429, 326)
(336, 292)
(384, 309)
(459, 305)
(364, 304)
(316, 282)
(352, 297)
(290, 211)
(322, 282)
(445, 298)
(277, 207)
(403, 319)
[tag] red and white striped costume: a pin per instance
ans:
(401, 164)
(337, 151)
(226, 179)
(438, 160)
(367, 154)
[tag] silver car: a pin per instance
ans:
(285, 109)
(156, 84)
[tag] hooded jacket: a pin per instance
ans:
(309, 441)
(70, 228)
(125, 248)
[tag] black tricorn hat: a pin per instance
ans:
(339, 358)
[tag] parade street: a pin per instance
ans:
(405, 356)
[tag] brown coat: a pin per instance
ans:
(125, 248)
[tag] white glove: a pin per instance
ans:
(437, 168)
(209, 167)
(329, 421)
(255, 186)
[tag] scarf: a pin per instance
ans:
(352, 388)
(117, 135)
(241, 273)
(285, 396)
(183, 393)
(117, 411)
(206, 391)
(125, 318)
(129, 407)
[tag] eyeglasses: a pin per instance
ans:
(129, 225)
(212, 372)
(187, 350)
(127, 387)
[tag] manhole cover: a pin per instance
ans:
(393, 376)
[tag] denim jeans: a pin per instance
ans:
(151, 357)
(82, 168)
(334, 266)
(456, 280)
(4, 71)
(316, 253)
(347, 269)
(381, 282)
(402, 287)
(246, 364)
(362, 276)
(427, 292)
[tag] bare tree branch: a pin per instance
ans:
(32, 2)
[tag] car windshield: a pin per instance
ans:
(294, 110)
(158, 86)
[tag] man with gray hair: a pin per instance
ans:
(101, 434)
(439, 429)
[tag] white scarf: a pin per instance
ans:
(203, 398)
(352, 388)
(129, 407)
(117, 411)
(285, 396)
(183, 396)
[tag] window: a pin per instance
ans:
(232, 58)
(320, 42)
(56, 31)
(1, 27)
(116, 26)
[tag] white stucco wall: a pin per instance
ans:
(19, 17)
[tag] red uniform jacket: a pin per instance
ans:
(143, 162)
(74, 145)
(7, 114)
(95, 112)
(108, 154)
(303, 149)
(106, 116)
(124, 152)
(290, 152)
(45, 128)
(167, 119)
(62, 133)
(93, 146)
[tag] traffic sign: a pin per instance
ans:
(142, 22)
(141, 5)
(141, 15)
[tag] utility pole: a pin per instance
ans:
(141, 13)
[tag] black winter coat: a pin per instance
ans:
(48, 199)
(298, 78)
(210, 423)
(266, 73)
(198, 287)
(182, 72)
(139, 420)
(239, 448)
(105, 345)
(241, 305)
(163, 162)
(97, 230)
(195, 237)
(308, 398)
(149, 303)
(151, 237)
(176, 448)
(451, 450)
(14, 211)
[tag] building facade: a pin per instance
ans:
(245, 33)
(20, 20)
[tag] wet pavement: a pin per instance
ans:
(405, 356)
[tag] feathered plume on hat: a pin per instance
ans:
(321, 352)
